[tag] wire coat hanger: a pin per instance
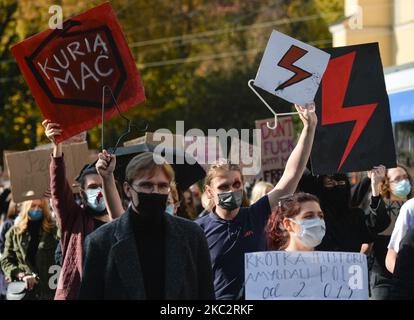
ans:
(130, 125)
(250, 84)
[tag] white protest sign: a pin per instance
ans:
(291, 69)
(277, 145)
(317, 275)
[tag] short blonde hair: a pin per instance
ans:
(220, 166)
(147, 164)
(259, 190)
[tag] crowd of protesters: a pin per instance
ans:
(143, 238)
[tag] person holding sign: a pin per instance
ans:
(231, 230)
(347, 228)
(390, 190)
(29, 249)
(297, 224)
(75, 221)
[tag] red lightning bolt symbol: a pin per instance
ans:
(291, 56)
(334, 85)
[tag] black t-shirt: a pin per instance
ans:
(33, 228)
(404, 268)
(97, 223)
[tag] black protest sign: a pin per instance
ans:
(354, 131)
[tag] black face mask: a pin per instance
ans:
(337, 195)
(151, 206)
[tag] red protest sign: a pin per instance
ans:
(66, 70)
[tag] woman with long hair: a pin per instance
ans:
(396, 191)
(30, 247)
(392, 192)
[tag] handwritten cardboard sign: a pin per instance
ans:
(277, 145)
(317, 275)
(291, 69)
(29, 170)
(66, 70)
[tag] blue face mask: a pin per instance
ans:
(170, 209)
(402, 188)
(35, 214)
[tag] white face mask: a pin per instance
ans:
(95, 199)
(312, 231)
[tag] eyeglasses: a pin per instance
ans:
(149, 187)
(398, 179)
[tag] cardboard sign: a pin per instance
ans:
(66, 70)
(354, 131)
(172, 141)
(5, 168)
(277, 145)
(29, 170)
(291, 69)
(317, 275)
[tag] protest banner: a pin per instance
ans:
(277, 145)
(291, 69)
(67, 69)
(316, 275)
(29, 170)
(354, 131)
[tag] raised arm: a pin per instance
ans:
(296, 163)
(62, 196)
(376, 217)
(105, 167)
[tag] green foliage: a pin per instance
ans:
(197, 72)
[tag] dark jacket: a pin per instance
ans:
(14, 259)
(75, 224)
(112, 268)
